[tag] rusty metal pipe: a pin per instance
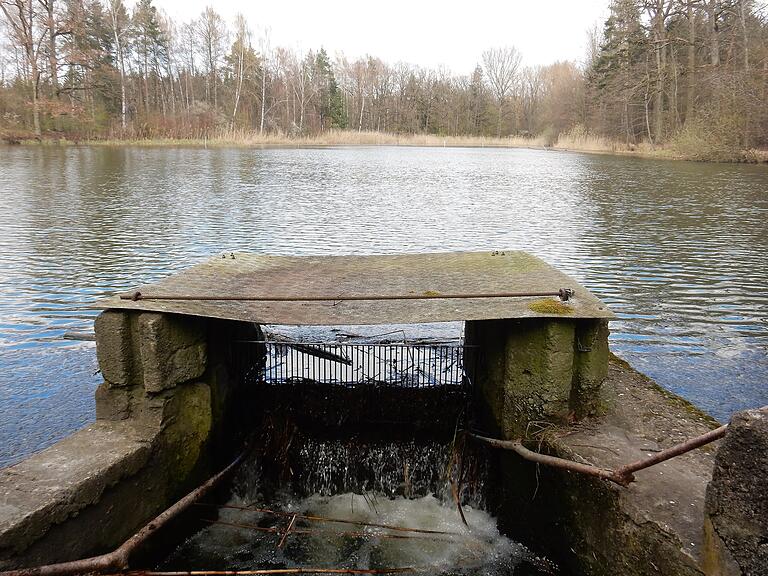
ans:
(564, 294)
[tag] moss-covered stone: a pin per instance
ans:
(543, 369)
(737, 497)
(550, 306)
(537, 374)
(187, 426)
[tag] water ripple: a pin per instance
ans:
(678, 250)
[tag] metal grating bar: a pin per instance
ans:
(341, 364)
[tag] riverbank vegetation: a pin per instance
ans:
(677, 78)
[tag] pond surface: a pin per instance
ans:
(678, 250)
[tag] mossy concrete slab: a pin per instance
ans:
(331, 277)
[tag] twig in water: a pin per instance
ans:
(354, 534)
(326, 519)
(455, 492)
(288, 531)
(287, 571)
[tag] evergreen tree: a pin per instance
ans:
(332, 113)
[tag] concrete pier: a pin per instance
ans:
(537, 370)
(167, 416)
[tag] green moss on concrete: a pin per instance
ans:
(538, 373)
(590, 367)
(596, 528)
(550, 306)
(189, 420)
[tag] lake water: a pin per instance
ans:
(678, 250)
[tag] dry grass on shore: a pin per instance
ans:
(576, 140)
(246, 138)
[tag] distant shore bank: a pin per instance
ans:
(565, 143)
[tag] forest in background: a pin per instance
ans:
(689, 76)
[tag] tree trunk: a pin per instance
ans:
(263, 97)
(714, 39)
(52, 58)
(35, 99)
(690, 102)
(658, 107)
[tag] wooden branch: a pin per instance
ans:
(118, 560)
(555, 462)
(288, 531)
(624, 475)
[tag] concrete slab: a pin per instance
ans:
(426, 277)
(642, 420)
(56, 484)
(656, 525)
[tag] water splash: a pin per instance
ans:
(247, 539)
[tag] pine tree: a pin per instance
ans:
(332, 113)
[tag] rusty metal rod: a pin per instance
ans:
(628, 470)
(623, 475)
(563, 294)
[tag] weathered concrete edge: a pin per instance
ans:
(56, 484)
(605, 529)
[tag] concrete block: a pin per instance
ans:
(538, 373)
(112, 403)
(113, 347)
(45, 496)
(172, 349)
(590, 366)
(737, 496)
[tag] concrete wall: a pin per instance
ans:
(737, 499)
(169, 413)
(537, 370)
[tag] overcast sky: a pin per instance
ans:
(427, 33)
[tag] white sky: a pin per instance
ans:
(427, 33)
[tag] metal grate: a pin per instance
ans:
(403, 365)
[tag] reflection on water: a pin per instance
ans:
(679, 250)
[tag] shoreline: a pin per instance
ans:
(331, 139)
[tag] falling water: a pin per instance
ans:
(358, 513)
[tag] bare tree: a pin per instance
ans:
(242, 40)
(119, 26)
(501, 67)
(25, 27)
(265, 50)
(212, 34)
